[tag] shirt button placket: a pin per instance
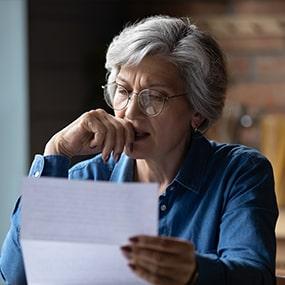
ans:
(164, 197)
(163, 208)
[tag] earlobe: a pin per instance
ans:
(197, 120)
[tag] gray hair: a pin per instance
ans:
(196, 55)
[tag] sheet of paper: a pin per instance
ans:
(72, 231)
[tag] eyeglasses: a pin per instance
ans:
(151, 102)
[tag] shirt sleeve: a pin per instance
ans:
(11, 260)
(246, 248)
(51, 165)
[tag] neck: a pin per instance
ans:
(161, 170)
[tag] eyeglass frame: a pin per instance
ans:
(165, 98)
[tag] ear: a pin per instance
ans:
(197, 120)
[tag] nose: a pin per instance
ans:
(133, 111)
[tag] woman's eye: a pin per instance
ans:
(122, 91)
(155, 98)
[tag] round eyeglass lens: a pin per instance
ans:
(116, 96)
(121, 98)
(109, 90)
(151, 102)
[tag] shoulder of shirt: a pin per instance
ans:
(237, 152)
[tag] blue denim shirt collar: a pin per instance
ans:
(123, 170)
(193, 169)
(190, 175)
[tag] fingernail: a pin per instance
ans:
(126, 248)
(133, 239)
(127, 251)
(132, 266)
(105, 158)
(116, 157)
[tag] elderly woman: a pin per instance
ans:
(166, 84)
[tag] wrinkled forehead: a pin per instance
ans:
(152, 70)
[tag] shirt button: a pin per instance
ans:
(37, 174)
(163, 208)
(171, 188)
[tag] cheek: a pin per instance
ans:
(177, 127)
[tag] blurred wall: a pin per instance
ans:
(68, 40)
(13, 105)
(67, 44)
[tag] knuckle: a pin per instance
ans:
(84, 122)
(117, 123)
(101, 130)
(100, 111)
(86, 119)
(85, 116)
(91, 111)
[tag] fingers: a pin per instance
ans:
(156, 258)
(117, 139)
(94, 131)
(165, 244)
(129, 134)
(153, 278)
(109, 139)
(110, 134)
(161, 260)
(93, 125)
(98, 139)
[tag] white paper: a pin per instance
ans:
(72, 231)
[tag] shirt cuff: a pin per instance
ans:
(50, 165)
(210, 269)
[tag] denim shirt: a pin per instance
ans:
(222, 200)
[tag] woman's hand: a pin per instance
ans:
(95, 131)
(161, 260)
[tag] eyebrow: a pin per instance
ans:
(153, 84)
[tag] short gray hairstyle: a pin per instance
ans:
(197, 56)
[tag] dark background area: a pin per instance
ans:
(67, 45)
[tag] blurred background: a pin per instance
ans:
(52, 55)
